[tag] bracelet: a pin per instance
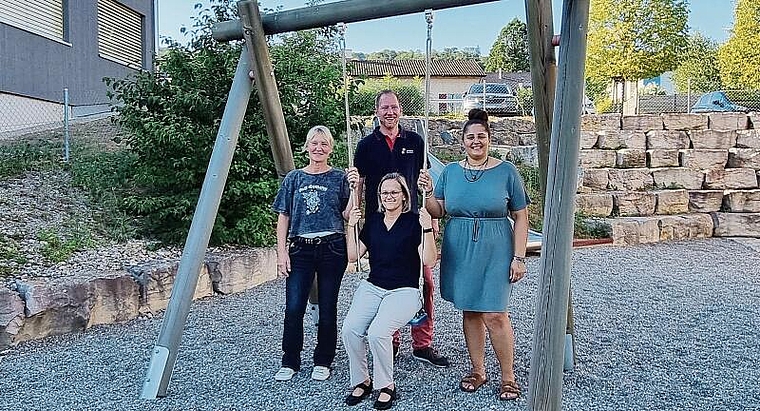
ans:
(429, 194)
(351, 225)
(520, 259)
(427, 230)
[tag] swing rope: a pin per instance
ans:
(349, 147)
(421, 315)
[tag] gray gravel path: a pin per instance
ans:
(672, 326)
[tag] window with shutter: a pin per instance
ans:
(120, 33)
(43, 17)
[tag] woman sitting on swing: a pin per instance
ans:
(390, 297)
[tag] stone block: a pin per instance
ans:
(728, 121)
(156, 281)
(678, 177)
(589, 139)
(672, 202)
(596, 178)
(702, 159)
(54, 307)
(115, 298)
(601, 122)
(528, 155)
(643, 122)
(527, 139)
(673, 228)
(712, 139)
(630, 179)
(617, 139)
(748, 138)
(632, 158)
(731, 178)
(667, 139)
(597, 158)
(635, 203)
(634, 230)
(681, 227)
(754, 119)
(233, 273)
(662, 158)
(11, 316)
(737, 201)
(744, 157)
(736, 224)
(683, 121)
(705, 201)
(594, 205)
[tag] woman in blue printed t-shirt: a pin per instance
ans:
(311, 205)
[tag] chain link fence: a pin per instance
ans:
(21, 115)
(721, 100)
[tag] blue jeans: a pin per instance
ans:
(328, 260)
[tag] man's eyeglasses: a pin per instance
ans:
(393, 194)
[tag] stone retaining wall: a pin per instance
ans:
(651, 177)
(40, 308)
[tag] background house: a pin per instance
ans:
(449, 79)
(515, 80)
(49, 45)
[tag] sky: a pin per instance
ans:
(462, 27)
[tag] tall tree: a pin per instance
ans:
(454, 53)
(698, 71)
(382, 55)
(510, 50)
(635, 39)
(739, 57)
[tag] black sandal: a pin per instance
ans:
(384, 405)
(351, 399)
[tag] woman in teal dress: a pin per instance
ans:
(482, 253)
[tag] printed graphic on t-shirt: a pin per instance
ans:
(310, 195)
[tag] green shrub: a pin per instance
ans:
(172, 116)
(19, 158)
(410, 95)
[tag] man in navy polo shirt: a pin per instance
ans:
(390, 149)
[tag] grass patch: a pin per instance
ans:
(19, 158)
(59, 247)
(106, 178)
(9, 252)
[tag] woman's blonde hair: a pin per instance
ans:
(406, 204)
(313, 133)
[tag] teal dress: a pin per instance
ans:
(478, 238)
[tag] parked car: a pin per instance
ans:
(715, 101)
(500, 99)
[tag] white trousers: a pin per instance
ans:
(374, 316)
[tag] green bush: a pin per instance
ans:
(172, 116)
(410, 95)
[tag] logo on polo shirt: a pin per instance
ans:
(407, 151)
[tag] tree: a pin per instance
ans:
(171, 117)
(698, 72)
(454, 53)
(739, 57)
(635, 39)
(382, 55)
(510, 50)
(449, 53)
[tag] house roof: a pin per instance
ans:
(416, 68)
(513, 79)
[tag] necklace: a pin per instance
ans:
(473, 172)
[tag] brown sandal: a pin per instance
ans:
(509, 391)
(472, 381)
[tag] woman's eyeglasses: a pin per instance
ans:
(393, 194)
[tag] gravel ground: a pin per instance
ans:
(669, 326)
